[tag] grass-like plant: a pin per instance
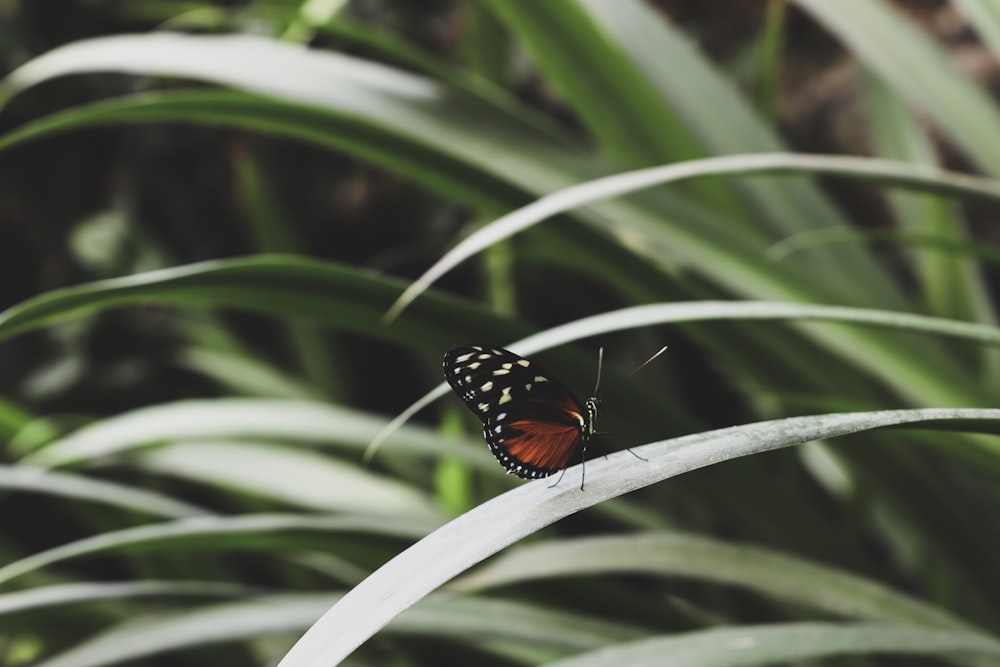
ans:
(220, 526)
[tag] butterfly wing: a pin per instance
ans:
(532, 423)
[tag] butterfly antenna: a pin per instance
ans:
(633, 372)
(645, 363)
(600, 364)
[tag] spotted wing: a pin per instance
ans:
(532, 423)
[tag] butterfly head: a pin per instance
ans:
(593, 405)
(594, 409)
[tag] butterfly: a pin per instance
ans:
(533, 424)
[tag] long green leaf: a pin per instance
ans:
(34, 599)
(401, 120)
(146, 636)
(715, 111)
(235, 418)
(918, 70)
(462, 543)
(305, 288)
(77, 488)
(348, 298)
(468, 620)
(642, 316)
(768, 573)
(275, 531)
(743, 646)
(984, 15)
(885, 172)
(617, 104)
(376, 98)
(292, 477)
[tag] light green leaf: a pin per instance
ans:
(252, 419)
(345, 297)
(886, 172)
(766, 572)
(265, 531)
(918, 70)
(78, 487)
(462, 543)
(58, 595)
(292, 476)
(468, 620)
(787, 642)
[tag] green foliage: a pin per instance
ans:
(231, 260)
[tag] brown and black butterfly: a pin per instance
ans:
(533, 424)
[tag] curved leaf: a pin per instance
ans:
(598, 81)
(473, 621)
(77, 487)
(701, 311)
(348, 298)
(243, 620)
(83, 593)
(768, 573)
(458, 545)
(354, 300)
(294, 477)
(385, 109)
(886, 172)
(199, 533)
(918, 70)
(254, 418)
(787, 642)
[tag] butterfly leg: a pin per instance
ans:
(635, 455)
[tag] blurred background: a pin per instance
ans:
(245, 390)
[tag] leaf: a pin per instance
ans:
(768, 573)
(251, 418)
(348, 298)
(263, 531)
(58, 595)
(463, 542)
(291, 476)
(146, 636)
(918, 70)
(881, 171)
(910, 377)
(77, 488)
(786, 642)
(470, 620)
(598, 82)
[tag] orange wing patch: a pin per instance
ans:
(543, 445)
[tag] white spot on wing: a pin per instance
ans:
(505, 396)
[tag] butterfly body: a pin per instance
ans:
(533, 424)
